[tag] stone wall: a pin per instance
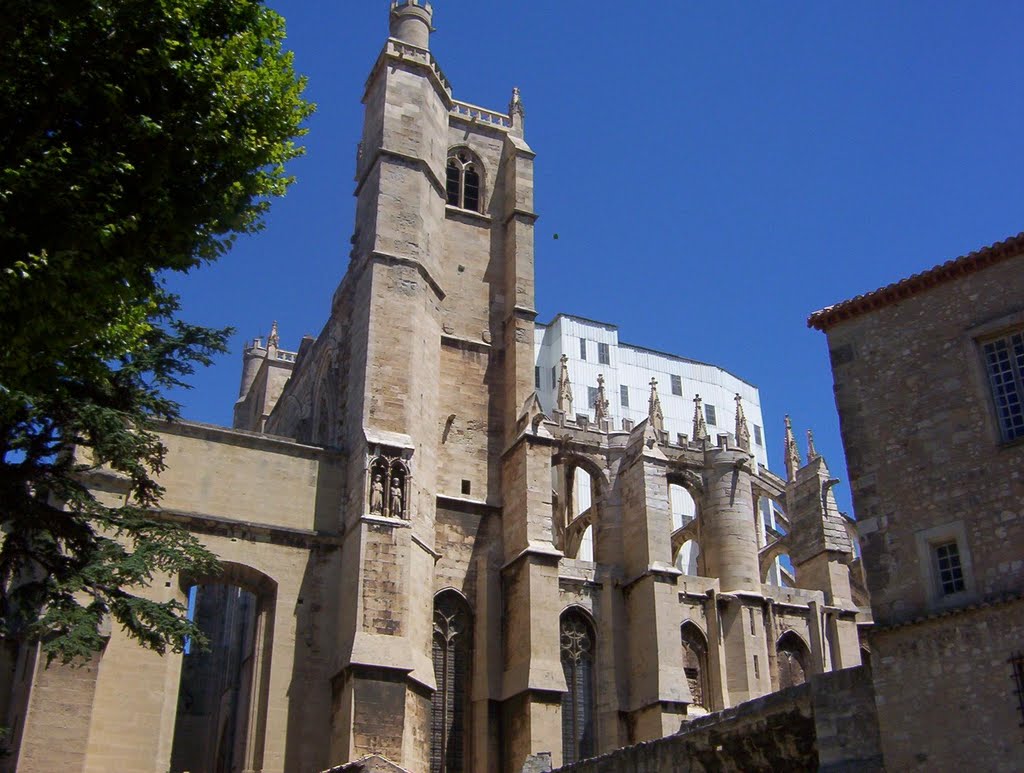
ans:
(825, 725)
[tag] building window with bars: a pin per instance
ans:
(709, 414)
(463, 184)
(583, 348)
(578, 701)
(536, 377)
(604, 354)
(677, 385)
(949, 570)
(449, 707)
(1004, 362)
(757, 436)
(1017, 664)
(624, 395)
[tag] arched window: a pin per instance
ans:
(695, 663)
(449, 708)
(578, 704)
(463, 180)
(793, 660)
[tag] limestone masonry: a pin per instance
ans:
(456, 540)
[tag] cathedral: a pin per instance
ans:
(451, 536)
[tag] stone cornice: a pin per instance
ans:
(251, 530)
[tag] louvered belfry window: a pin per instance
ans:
(449, 707)
(578, 700)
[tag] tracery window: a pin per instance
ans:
(449, 708)
(792, 659)
(695, 663)
(578, 704)
(463, 183)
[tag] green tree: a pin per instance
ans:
(137, 137)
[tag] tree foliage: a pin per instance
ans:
(137, 137)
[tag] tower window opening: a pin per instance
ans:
(462, 183)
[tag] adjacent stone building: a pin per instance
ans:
(398, 510)
(929, 383)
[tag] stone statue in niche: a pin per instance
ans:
(395, 503)
(387, 490)
(377, 495)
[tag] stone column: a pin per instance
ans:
(729, 545)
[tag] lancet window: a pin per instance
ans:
(793, 659)
(578, 702)
(695, 663)
(463, 184)
(449, 709)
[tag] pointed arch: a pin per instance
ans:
(449, 706)
(695, 663)
(464, 179)
(577, 649)
(223, 693)
(794, 659)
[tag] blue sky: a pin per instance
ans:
(715, 172)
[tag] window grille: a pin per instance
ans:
(951, 574)
(583, 348)
(709, 413)
(449, 704)
(1017, 664)
(624, 395)
(757, 436)
(536, 377)
(677, 385)
(1004, 360)
(578, 704)
(603, 354)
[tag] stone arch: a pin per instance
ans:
(766, 557)
(685, 547)
(578, 497)
(452, 653)
(794, 659)
(223, 692)
(695, 663)
(577, 646)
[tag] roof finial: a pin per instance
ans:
(742, 431)
(564, 387)
(812, 452)
(792, 452)
(273, 339)
(700, 427)
(654, 412)
(600, 403)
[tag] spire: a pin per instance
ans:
(742, 431)
(654, 412)
(601, 403)
(812, 452)
(792, 452)
(564, 388)
(273, 339)
(700, 427)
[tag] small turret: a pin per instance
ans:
(410, 22)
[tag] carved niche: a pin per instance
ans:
(388, 483)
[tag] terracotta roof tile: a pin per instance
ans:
(945, 272)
